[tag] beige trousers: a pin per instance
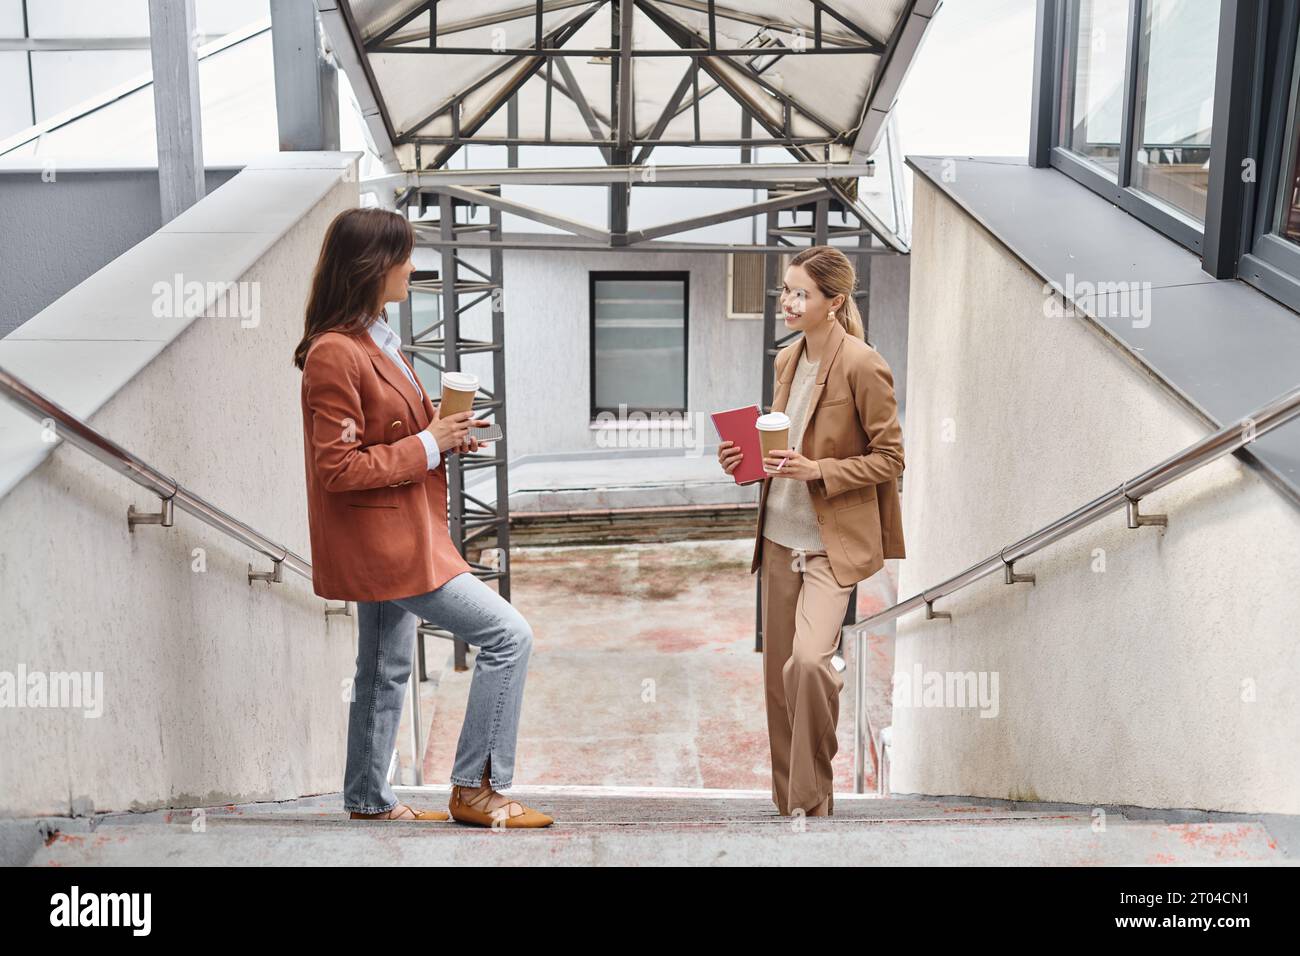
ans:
(803, 608)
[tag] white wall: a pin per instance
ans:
(214, 690)
(1128, 685)
(548, 356)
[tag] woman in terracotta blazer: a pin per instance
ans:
(376, 476)
(826, 520)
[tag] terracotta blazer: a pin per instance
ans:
(377, 513)
(852, 431)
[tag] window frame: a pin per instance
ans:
(1160, 216)
(1269, 262)
(608, 275)
(1257, 59)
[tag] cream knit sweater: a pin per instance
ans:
(790, 518)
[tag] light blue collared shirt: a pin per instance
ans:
(389, 343)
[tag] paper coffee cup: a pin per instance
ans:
(458, 390)
(773, 432)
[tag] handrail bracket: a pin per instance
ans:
(163, 516)
(1137, 520)
(931, 614)
(274, 576)
(1012, 577)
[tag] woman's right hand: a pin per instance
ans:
(729, 455)
(452, 431)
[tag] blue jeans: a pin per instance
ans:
(385, 649)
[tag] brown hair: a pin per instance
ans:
(834, 275)
(361, 245)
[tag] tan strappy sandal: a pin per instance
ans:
(474, 811)
(402, 812)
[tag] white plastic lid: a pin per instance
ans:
(460, 381)
(772, 422)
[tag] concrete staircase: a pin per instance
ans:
(641, 826)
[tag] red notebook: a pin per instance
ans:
(737, 425)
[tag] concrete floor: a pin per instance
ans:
(655, 828)
(643, 672)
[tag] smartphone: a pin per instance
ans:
(486, 432)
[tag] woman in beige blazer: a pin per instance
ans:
(826, 520)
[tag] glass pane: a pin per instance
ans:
(640, 343)
(1287, 220)
(1175, 101)
(1092, 107)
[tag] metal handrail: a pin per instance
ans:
(1226, 440)
(173, 494)
(79, 433)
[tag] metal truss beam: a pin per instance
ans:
(575, 95)
(558, 36)
(493, 201)
(526, 11)
(460, 286)
(766, 174)
(547, 243)
(727, 215)
(572, 94)
(754, 19)
(641, 53)
(672, 108)
(468, 139)
(757, 115)
(821, 6)
(692, 42)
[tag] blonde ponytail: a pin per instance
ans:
(849, 317)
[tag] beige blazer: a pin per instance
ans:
(852, 431)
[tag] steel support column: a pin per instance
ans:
(461, 286)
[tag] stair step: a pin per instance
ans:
(640, 827)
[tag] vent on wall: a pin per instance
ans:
(745, 290)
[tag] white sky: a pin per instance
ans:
(968, 92)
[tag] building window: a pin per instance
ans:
(1285, 220)
(1092, 104)
(1186, 114)
(638, 341)
(1133, 106)
(1174, 106)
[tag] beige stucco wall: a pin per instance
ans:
(214, 690)
(1148, 667)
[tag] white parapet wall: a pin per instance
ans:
(1145, 667)
(210, 690)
